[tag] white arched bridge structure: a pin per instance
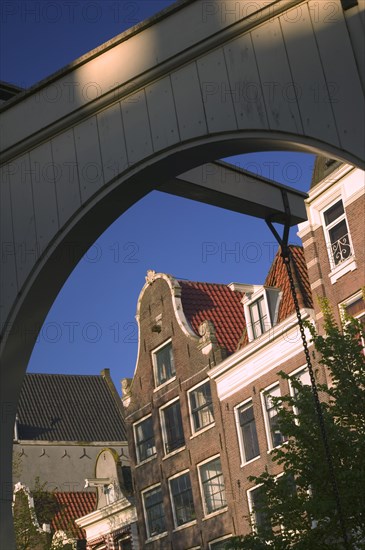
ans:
(153, 109)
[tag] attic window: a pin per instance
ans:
(261, 307)
(258, 317)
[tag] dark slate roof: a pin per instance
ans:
(218, 303)
(63, 407)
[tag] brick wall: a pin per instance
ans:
(191, 368)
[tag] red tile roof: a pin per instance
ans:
(278, 277)
(72, 505)
(218, 303)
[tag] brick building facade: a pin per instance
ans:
(199, 410)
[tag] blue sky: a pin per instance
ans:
(91, 325)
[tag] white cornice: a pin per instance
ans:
(333, 178)
(108, 511)
(260, 356)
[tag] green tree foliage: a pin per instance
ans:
(298, 509)
(28, 520)
(27, 533)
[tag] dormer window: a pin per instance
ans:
(258, 317)
(261, 305)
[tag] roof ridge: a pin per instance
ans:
(203, 282)
(62, 374)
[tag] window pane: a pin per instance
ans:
(174, 434)
(248, 432)
(182, 499)
(213, 486)
(333, 213)
(258, 317)
(276, 436)
(260, 517)
(340, 242)
(145, 440)
(165, 368)
(155, 517)
(201, 406)
(303, 377)
(220, 545)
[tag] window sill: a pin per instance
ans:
(277, 446)
(216, 513)
(156, 537)
(340, 270)
(205, 429)
(173, 453)
(181, 527)
(143, 462)
(157, 388)
(243, 464)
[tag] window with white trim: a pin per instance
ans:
(274, 435)
(201, 406)
(144, 439)
(258, 317)
(182, 499)
(212, 485)
(246, 429)
(163, 361)
(302, 376)
(261, 309)
(355, 307)
(172, 427)
(124, 543)
(219, 544)
(259, 517)
(154, 511)
(337, 233)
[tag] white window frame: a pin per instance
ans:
(189, 523)
(250, 506)
(135, 424)
(205, 511)
(147, 490)
(249, 301)
(244, 462)
(163, 428)
(294, 374)
(337, 270)
(208, 426)
(154, 353)
(348, 302)
(220, 539)
(266, 419)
